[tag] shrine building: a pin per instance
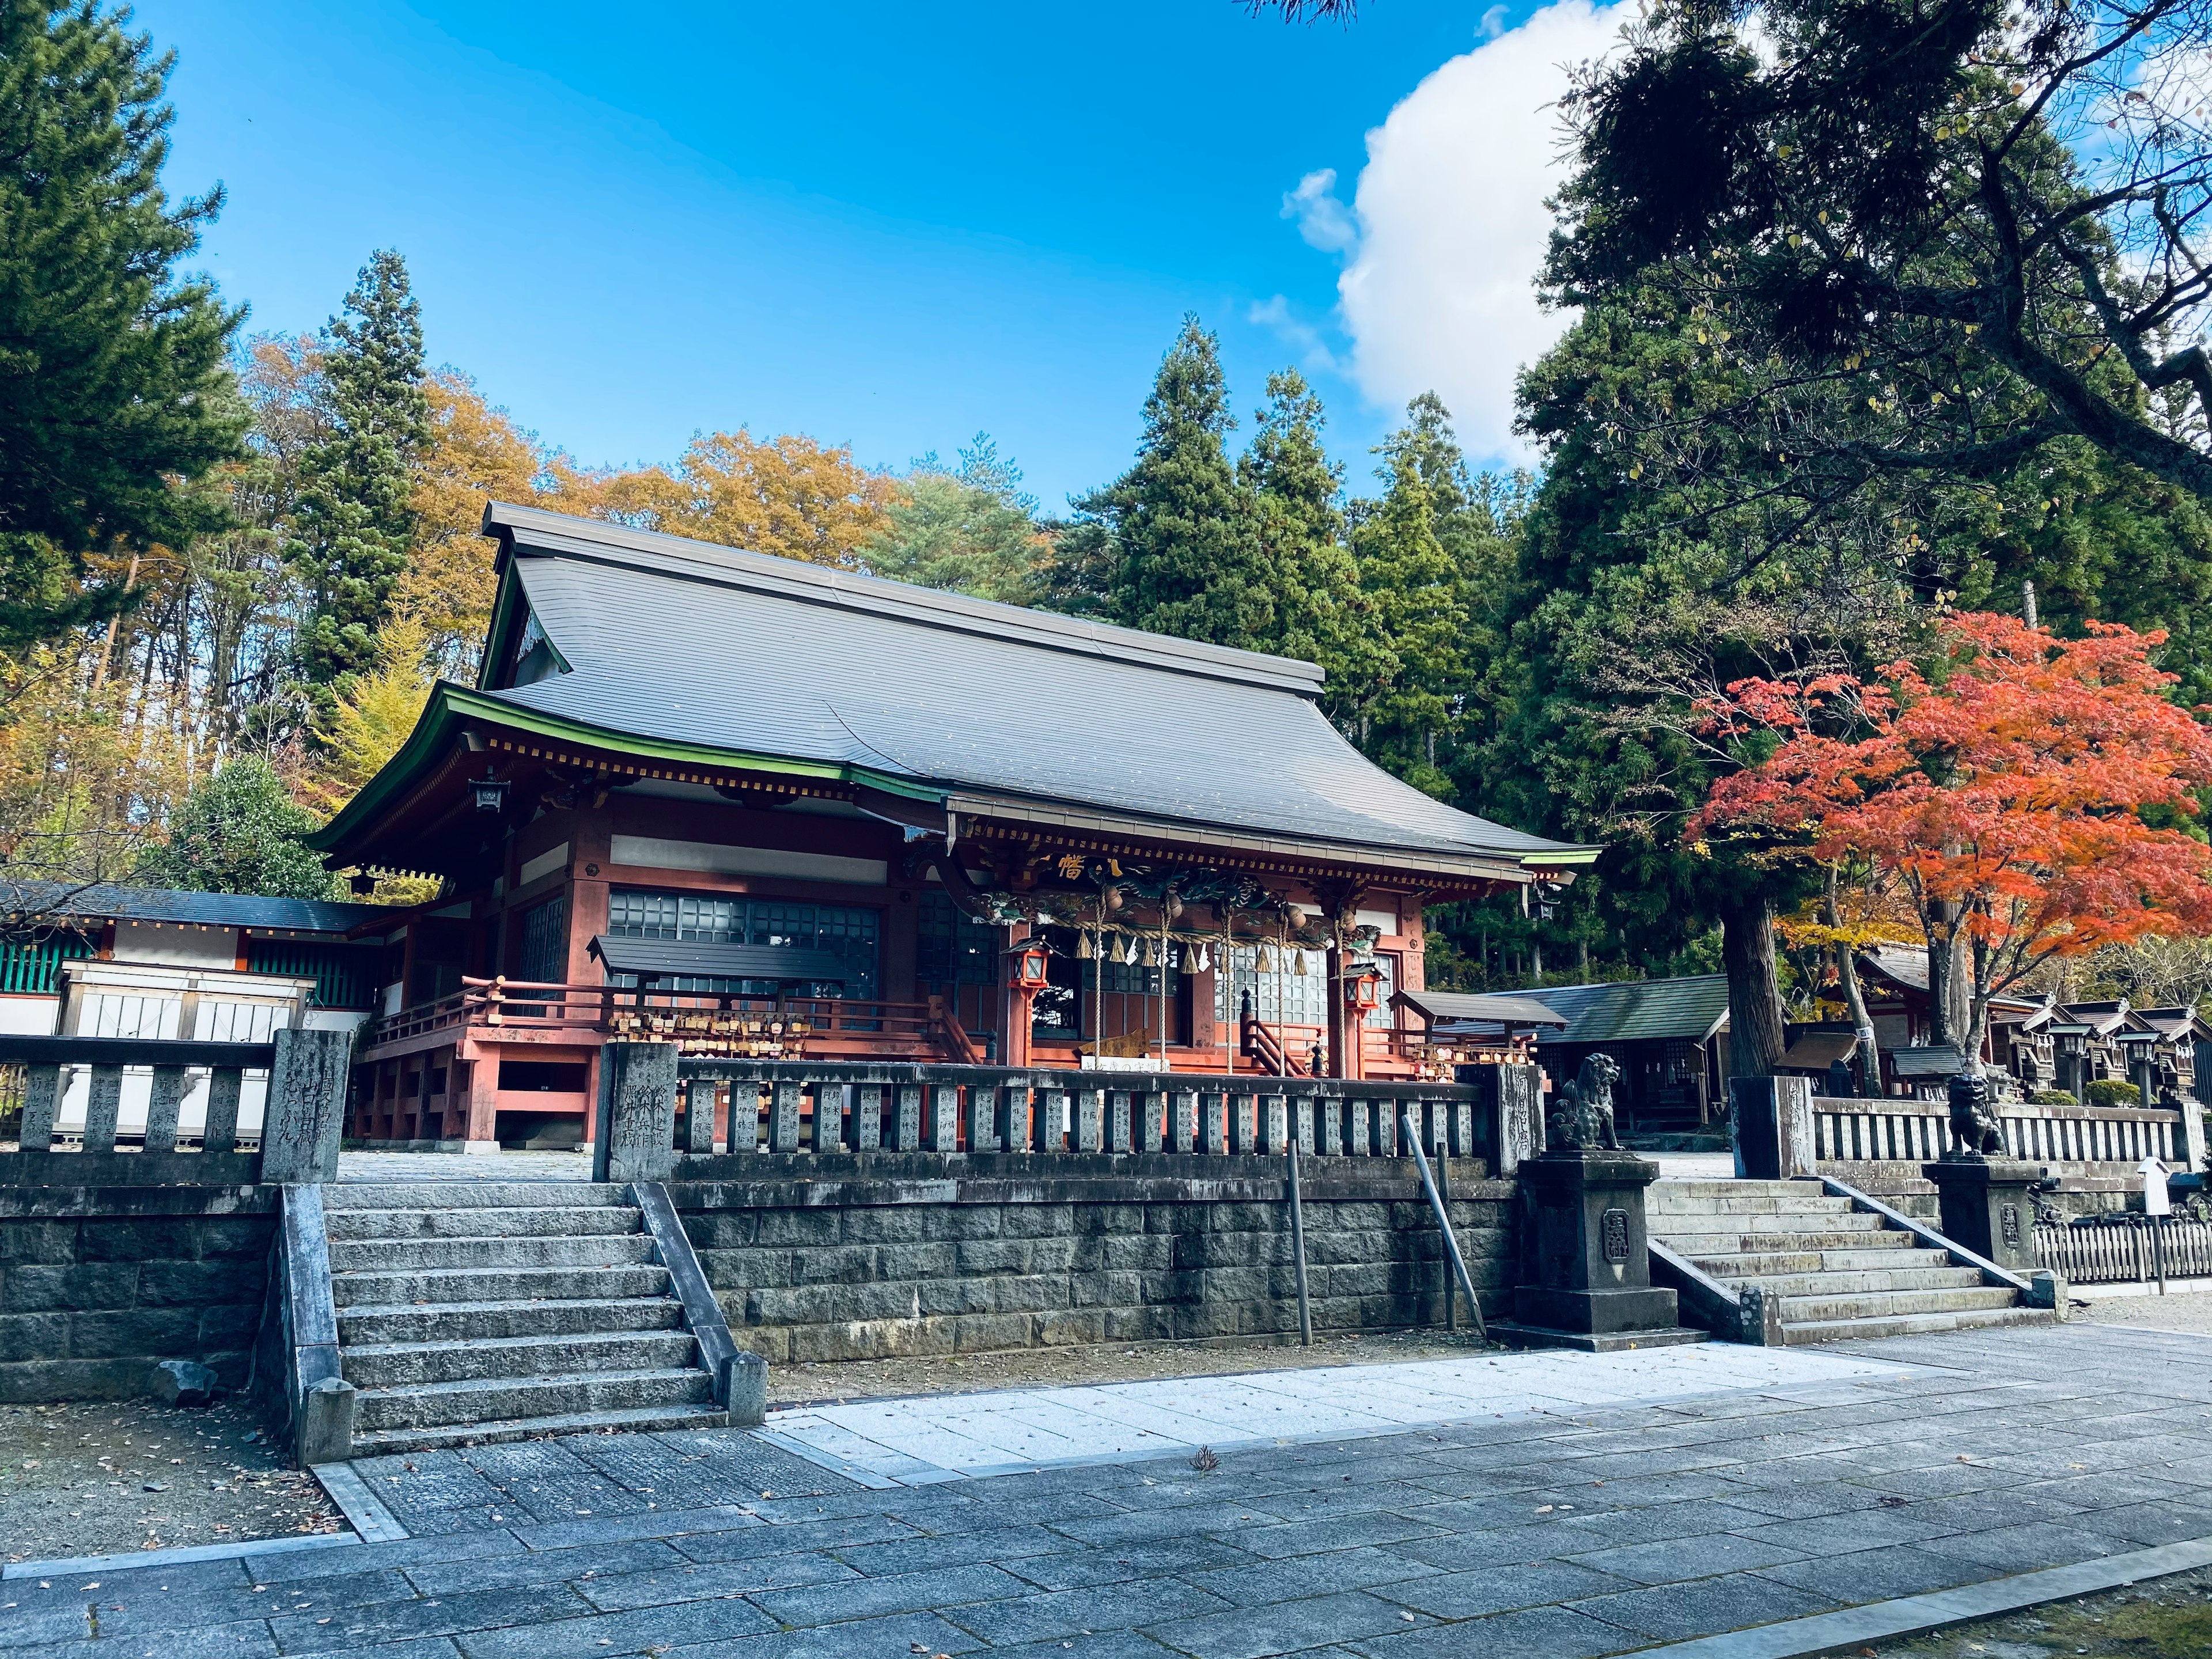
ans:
(759, 807)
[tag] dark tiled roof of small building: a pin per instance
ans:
(1634, 1010)
(107, 902)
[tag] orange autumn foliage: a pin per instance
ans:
(2025, 797)
(789, 496)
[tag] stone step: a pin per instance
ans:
(641, 1418)
(1698, 1246)
(396, 1255)
(589, 1394)
(516, 1359)
(1733, 1266)
(1939, 1276)
(1669, 1188)
(482, 1221)
(1801, 1202)
(456, 1322)
(1889, 1304)
(446, 1285)
(1841, 1219)
(1735, 1211)
(1919, 1324)
(471, 1194)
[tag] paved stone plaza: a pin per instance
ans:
(1557, 1532)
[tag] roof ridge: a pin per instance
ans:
(561, 534)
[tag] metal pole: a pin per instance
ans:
(1443, 1191)
(1298, 1245)
(1443, 1222)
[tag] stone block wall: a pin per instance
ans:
(923, 1254)
(98, 1286)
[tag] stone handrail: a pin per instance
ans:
(1929, 1239)
(299, 1139)
(810, 1107)
(1751, 1315)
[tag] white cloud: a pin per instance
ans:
(1321, 218)
(1448, 227)
(1295, 332)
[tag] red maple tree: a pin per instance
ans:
(2031, 794)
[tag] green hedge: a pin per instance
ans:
(2051, 1098)
(2111, 1091)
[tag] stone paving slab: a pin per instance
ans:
(924, 1439)
(1585, 1528)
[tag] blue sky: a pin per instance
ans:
(888, 225)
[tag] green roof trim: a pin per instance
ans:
(450, 704)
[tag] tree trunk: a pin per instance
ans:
(1847, 975)
(1755, 1035)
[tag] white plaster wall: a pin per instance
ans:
(186, 947)
(29, 1016)
(138, 1091)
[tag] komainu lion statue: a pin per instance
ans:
(1584, 1117)
(1974, 1125)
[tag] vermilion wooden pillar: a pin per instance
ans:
(483, 1098)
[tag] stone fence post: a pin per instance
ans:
(305, 1113)
(634, 1136)
(2189, 1137)
(1771, 1121)
(1509, 1114)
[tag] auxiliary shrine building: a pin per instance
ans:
(764, 808)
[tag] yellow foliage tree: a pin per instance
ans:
(789, 496)
(373, 714)
(475, 453)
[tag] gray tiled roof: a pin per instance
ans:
(690, 642)
(103, 902)
(1674, 1009)
(1457, 1007)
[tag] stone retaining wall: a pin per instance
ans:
(98, 1284)
(923, 1254)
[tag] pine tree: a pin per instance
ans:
(973, 530)
(356, 519)
(1416, 602)
(1299, 521)
(239, 832)
(1190, 564)
(113, 379)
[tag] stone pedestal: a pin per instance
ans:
(1986, 1207)
(1585, 1280)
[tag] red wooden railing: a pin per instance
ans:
(702, 1023)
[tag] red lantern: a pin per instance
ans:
(1027, 963)
(1363, 990)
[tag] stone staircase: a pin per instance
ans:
(1840, 1272)
(478, 1311)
